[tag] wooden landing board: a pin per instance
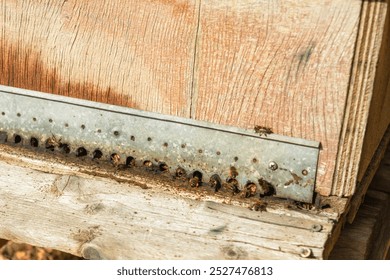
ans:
(306, 69)
(54, 205)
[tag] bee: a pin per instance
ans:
(250, 190)
(52, 142)
(259, 206)
(233, 172)
(163, 167)
(233, 185)
(148, 163)
(263, 130)
(180, 173)
(115, 159)
(196, 179)
(266, 188)
(194, 182)
(304, 206)
(215, 182)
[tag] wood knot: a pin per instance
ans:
(91, 252)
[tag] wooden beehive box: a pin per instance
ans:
(317, 70)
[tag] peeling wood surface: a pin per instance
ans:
(59, 207)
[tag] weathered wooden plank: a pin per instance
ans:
(54, 205)
(281, 64)
(367, 94)
(379, 115)
(133, 53)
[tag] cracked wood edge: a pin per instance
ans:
(101, 218)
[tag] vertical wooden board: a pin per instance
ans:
(281, 64)
(379, 113)
(366, 95)
(134, 53)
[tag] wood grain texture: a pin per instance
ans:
(53, 205)
(305, 69)
(361, 92)
(281, 64)
(379, 113)
(132, 53)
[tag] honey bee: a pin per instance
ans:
(52, 142)
(196, 179)
(233, 185)
(180, 172)
(250, 190)
(215, 182)
(148, 163)
(259, 206)
(115, 159)
(194, 182)
(233, 172)
(266, 188)
(263, 130)
(304, 206)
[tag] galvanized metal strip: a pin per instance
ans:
(286, 164)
